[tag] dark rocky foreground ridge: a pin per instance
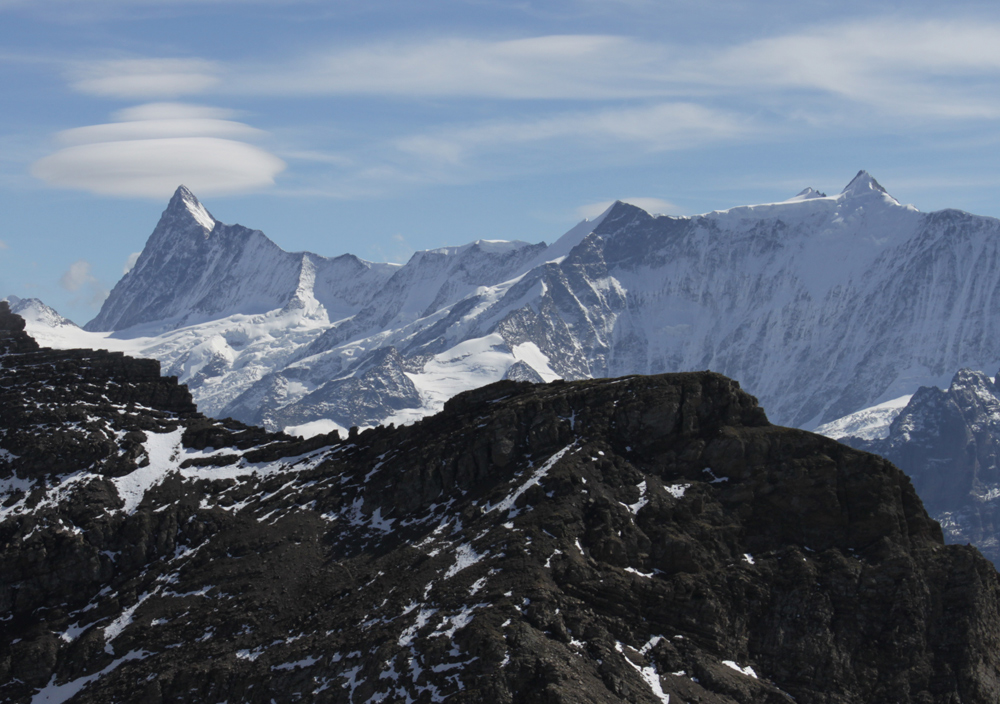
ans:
(597, 541)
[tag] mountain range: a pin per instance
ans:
(820, 305)
(831, 309)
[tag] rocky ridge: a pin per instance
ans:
(638, 539)
(948, 442)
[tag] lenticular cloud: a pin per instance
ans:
(150, 151)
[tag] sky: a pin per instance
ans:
(382, 127)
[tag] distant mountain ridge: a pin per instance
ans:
(820, 305)
(39, 314)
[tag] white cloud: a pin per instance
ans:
(154, 167)
(930, 68)
(561, 66)
(157, 129)
(933, 69)
(3, 245)
(657, 127)
(77, 276)
(79, 279)
(155, 147)
(173, 111)
(130, 262)
(145, 78)
(653, 206)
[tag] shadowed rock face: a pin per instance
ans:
(948, 442)
(595, 541)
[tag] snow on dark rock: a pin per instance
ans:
(623, 540)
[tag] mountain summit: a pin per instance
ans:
(863, 184)
(194, 268)
(185, 205)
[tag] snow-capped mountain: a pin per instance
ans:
(948, 442)
(820, 305)
(194, 268)
(37, 314)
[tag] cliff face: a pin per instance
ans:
(948, 442)
(596, 541)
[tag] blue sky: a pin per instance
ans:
(382, 127)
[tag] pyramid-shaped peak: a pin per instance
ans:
(185, 203)
(863, 183)
(183, 195)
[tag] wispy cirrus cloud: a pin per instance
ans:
(591, 67)
(570, 92)
(929, 68)
(151, 149)
(898, 65)
(657, 127)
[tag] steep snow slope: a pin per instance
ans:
(868, 423)
(820, 305)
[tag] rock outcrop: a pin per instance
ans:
(630, 540)
(948, 442)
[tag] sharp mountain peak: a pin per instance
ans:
(863, 183)
(184, 205)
